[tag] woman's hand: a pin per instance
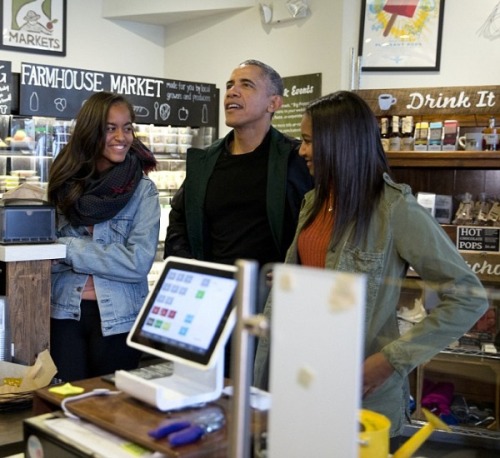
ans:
(376, 370)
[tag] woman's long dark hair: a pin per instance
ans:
(76, 162)
(349, 160)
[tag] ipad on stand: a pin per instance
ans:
(186, 320)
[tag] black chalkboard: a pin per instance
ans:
(5, 87)
(59, 92)
(299, 91)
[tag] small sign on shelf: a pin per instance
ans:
(478, 239)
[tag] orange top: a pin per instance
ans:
(314, 240)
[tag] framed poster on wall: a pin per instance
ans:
(401, 35)
(34, 26)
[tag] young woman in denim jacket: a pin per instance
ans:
(358, 220)
(108, 217)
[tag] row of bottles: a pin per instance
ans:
(396, 139)
(402, 134)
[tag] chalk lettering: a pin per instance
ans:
(127, 84)
(309, 89)
(61, 78)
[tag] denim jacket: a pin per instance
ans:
(118, 255)
(401, 233)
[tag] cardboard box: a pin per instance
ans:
(439, 206)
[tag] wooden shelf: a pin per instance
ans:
(476, 376)
(453, 173)
(444, 159)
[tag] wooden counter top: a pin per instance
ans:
(132, 419)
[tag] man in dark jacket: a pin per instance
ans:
(242, 195)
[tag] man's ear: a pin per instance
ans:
(275, 103)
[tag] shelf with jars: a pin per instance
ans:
(437, 119)
(27, 148)
(169, 145)
(400, 134)
(29, 144)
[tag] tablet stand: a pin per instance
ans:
(186, 387)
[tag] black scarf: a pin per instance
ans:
(106, 195)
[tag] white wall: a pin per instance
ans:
(467, 58)
(208, 49)
(95, 43)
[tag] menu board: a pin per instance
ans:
(299, 91)
(5, 87)
(46, 90)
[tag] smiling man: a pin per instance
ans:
(242, 195)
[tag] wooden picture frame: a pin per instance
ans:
(34, 26)
(400, 35)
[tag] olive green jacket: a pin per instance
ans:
(402, 233)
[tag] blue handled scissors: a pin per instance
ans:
(183, 432)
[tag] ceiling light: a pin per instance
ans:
(266, 13)
(297, 9)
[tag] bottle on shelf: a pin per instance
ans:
(407, 133)
(490, 136)
(421, 136)
(450, 135)
(395, 137)
(384, 133)
(435, 136)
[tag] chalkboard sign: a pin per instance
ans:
(299, 91)
(5, 87)
(60, 92)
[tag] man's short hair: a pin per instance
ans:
(276, 83)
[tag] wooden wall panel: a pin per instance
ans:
(28, 292)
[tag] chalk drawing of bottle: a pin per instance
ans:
(34, 102)
(204, 114)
